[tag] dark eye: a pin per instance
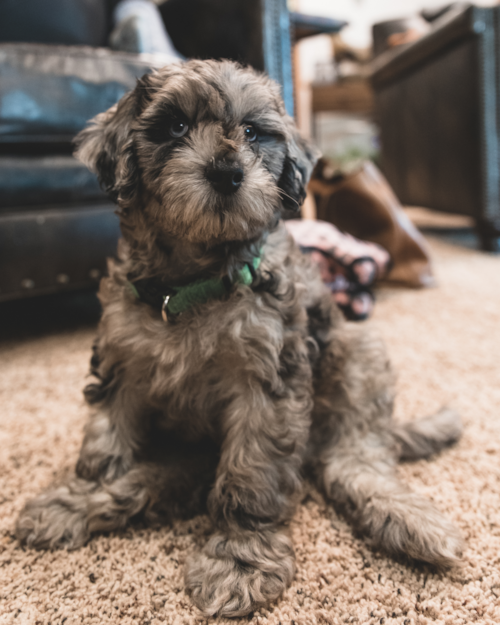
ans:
(250, 133)
(177, 128)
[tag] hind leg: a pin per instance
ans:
(356, 446)
(422, 438)
(173, 482)
(67, 515)
(361, 481)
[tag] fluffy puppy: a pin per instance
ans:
(228, 396)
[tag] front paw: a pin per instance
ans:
(234, 575)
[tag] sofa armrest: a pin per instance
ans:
(452, 27)
(51, 91)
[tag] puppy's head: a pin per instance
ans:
(204, 150)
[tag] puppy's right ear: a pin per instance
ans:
(300, 159)
(106, 146)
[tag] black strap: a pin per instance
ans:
(152, 291)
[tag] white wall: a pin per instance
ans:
(361, 14)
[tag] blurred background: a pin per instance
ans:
(401, 96)
(343, 120)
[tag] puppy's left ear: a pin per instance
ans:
(106, 146)
(299, 162)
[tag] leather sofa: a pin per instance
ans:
(56, 225)
(437, 102)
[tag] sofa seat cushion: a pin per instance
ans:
(58, 249)
(46, 180)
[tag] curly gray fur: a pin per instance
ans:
(233, 405)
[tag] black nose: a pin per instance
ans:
(224, 178)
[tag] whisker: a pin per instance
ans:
(280, 191)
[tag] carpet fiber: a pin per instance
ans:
(444, 342)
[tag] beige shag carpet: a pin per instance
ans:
(445, 342)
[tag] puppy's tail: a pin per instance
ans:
(423, 437)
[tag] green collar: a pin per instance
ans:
(176, 300)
